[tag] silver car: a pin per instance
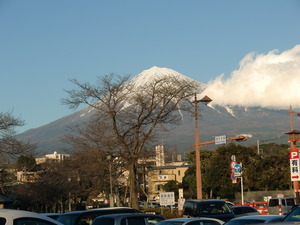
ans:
(191, 221)
(20, 217)
(259, 219)
(128, 219)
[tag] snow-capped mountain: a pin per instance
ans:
(214, 120)
(156, 72)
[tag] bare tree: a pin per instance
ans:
(130, 115)
(9, 145)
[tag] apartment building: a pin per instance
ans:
(163, 172)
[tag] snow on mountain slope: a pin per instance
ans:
(148, 76)
(229, 110)
(157, 72)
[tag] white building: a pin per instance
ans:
(160, 155)
(52, 157)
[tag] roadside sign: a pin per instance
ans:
(232, 164)
(237, 168)
(238, 174)
(220, 139)
(180, 192)
(167, 198)
(295, 165)
(232, 158)
(233, 178)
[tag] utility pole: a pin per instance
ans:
(293, 138)
(205, 100)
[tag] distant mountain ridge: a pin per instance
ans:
(262, 124)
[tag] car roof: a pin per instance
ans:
(260, 217)
(121, 215)
(242, 206)
(206, 200)
(185, 219)
(97, 209)
(14, 213)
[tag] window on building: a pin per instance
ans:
(157, 188)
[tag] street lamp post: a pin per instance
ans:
(204, 100)
(111, 198)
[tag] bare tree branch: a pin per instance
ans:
(129, 116)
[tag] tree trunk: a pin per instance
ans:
(134, 200)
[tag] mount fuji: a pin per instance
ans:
(263, 124)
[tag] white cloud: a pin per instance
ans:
(271, 80)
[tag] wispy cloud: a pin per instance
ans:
(269, 80)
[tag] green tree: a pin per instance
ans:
(216, 170)
(26, 163)
(172, 186)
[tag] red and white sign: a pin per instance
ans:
(232, 164)
(295, 165)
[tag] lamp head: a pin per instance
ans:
(206, 100)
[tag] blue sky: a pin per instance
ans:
(43, 44)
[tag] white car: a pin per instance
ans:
(20, 217)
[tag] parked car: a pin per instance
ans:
(244, 210)
(52, 215)
(280, 206)
(128, 219)
(208, 208)
(20, 217)
(87, 216)
(191, 221)
(230, 203)
(255, 219)
(293, 215)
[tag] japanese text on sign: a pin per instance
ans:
(167, 198)
(220, 139)
(295, 165)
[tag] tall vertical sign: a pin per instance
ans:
(295, 165)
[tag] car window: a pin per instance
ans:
(68, 219)
(275, 220)
(2, 221)
(283, 202)
(249, 209)
(290, 201)
(237, 210)
(87, 219)
(293, 216)
(194, 223)
(209, 222)
(32, 221)
(153, 220)
(244, 222)
(106, 221)
(171, 222)
(133, 221)
(207, 208)
(273, 202)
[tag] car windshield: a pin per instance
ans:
(170, 223)
(68, 219)
(210, 208)
(293, 216)
(243, 222)
(202, 222)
